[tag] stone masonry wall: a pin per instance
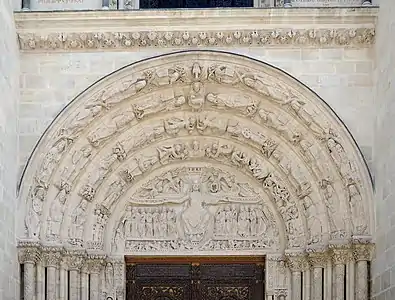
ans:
(9, 98)
(342, 77)
(383, 272)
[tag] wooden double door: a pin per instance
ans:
(195, 279)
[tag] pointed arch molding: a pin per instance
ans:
(213, 151)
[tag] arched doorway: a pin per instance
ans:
(198, 153)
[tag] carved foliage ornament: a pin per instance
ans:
(160, 39)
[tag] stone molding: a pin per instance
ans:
(78, 31)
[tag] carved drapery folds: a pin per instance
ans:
(199, 151)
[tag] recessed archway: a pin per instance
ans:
(197, 153)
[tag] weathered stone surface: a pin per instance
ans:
(384, 149)
(145, 146)
(9, 87)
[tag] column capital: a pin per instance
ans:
(297, 262)
(341, 254)
(52, 256)
(95, 264)
(319, 259)
(29, 253)
(363, 252)
(75, 259)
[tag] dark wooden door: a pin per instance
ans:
(198, 280)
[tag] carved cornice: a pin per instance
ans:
(76, 31)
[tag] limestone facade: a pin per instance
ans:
(196, 152)
(9, 86)
(383, 272)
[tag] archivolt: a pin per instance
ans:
(209, 111)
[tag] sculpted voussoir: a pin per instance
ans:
(195, 76)
(187, 100)
(321, 37)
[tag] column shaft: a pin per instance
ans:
(316, 286)
(361, 289)
(74, 284)
(51, 283)
(84, 286)
(296, 285)
(95, 286)
(62, 284)
(306, 284)
(40, 281)
(328, 282)
(340, 272)
(351, 280)
(29, 281)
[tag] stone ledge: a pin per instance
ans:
(89, 30)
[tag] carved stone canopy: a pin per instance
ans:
(197, 152)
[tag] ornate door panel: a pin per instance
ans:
(158, 282)
(195, 281)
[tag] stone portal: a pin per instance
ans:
(197, 153)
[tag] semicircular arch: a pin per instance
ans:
(196, 107)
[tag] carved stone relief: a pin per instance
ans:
(169, 113)
(78, 219)
(196, 208)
